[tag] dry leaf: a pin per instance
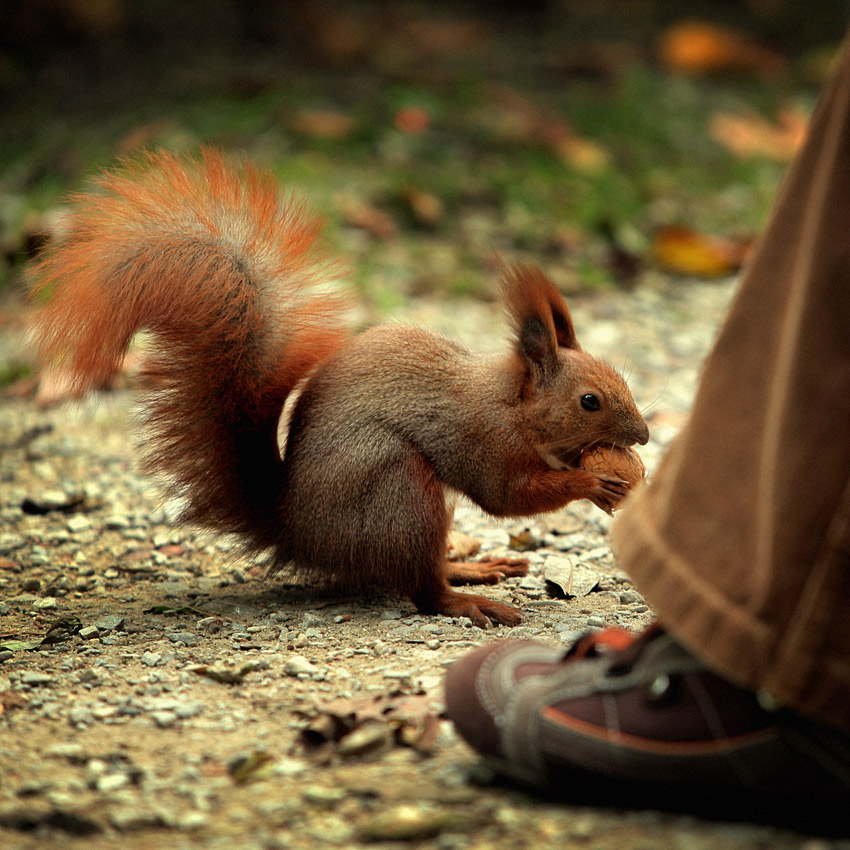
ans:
(565, 580)
(323, 124)
(525, 541)
(371, 219)
(751, 135)
(697, 47)
(684, 251)
(462, 546)
(412, 120)
(518, 118)
(425, 209)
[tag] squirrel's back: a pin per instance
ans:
(223, 269)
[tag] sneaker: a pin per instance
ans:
(640, 722)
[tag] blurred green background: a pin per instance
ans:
(606, 140)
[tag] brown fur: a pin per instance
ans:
(223, 270)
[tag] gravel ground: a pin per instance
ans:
(198, 705)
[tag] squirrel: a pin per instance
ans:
(223, 268)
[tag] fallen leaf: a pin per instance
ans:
(58, 632)
(323, 124)
(566, 580)
(225, 675)
(412, 120)
(244, 769)
(425, 209)
(684, 251)
(525, 541)
(371, 219)
(698, 47)
(363, 726)
(462, 546)
(519, 118)
(750, 135)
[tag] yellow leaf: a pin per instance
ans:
(751, 135)
(684, 251)
(697, 47)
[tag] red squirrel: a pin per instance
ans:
(223, 269)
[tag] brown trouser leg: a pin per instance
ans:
(742, 540)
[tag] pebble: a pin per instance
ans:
(36, 679)
(77, 523)
(164, 719)
(80, 715)
(298, 665)
(110, 623)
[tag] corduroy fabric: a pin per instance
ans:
(742, 539)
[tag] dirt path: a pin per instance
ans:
(175, 716)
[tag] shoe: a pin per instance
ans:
(640, 722)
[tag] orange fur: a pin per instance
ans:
(222, 268)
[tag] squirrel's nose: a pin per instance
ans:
(641, 434)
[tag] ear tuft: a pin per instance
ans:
(539, 316)
(528, 294)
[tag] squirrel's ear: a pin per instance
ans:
(539, 315)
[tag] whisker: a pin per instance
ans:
(655, 401)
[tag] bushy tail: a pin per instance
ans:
(223, 270)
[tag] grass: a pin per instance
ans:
(514, 196)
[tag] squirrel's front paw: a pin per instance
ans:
(608, 491)
(489, 570)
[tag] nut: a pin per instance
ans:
(620, 462)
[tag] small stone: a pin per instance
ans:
(190, 821)
(116, 522)
(188, 709)
(298, 665)
(36, 679)
(164, 719)
(48, 603)
(322, 795)
(531, 583)
(72, 752)
(410, 823)
(151, 659)
(629, 597)
(10, 542)
(391, 614)
(312, 621)
(133, 818)
(289, 767)
(112, 782)
(89, 632)
(77, 523)
(80, 715)
(186, 638)
(370, 736)
(110, 623)
(595, 622)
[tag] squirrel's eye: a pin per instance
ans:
(590, 402)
